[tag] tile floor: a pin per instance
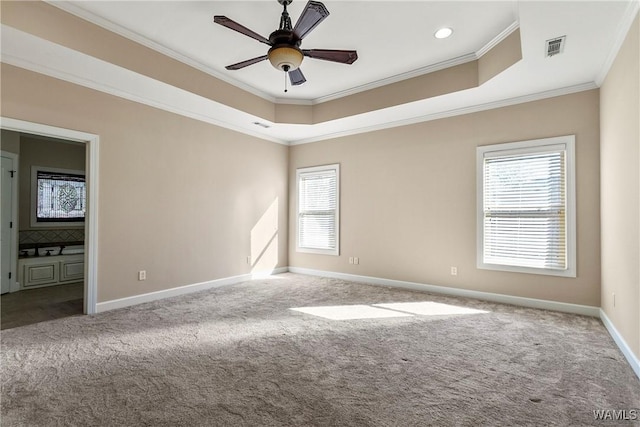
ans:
(39, 305)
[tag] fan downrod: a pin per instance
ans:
(285, 20)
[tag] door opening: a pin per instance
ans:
(91, 143)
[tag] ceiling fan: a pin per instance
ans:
(285, 53)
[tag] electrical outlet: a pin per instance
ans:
(356, 260)
(350, 260)
(142, 275)
(454, 271)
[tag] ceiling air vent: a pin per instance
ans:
(555, 46)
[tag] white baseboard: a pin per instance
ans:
(487, 296)
(622, 344)
(182, 290)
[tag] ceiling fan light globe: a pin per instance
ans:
(282, 57)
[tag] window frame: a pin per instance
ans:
(34, 199)
(315, 169)
(521, 147)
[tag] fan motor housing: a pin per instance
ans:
(284, 37)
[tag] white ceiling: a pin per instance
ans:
(394, 40)
(391, 37)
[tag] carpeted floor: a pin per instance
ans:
(240, 356)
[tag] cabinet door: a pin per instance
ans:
(40, 274)
(71, 270)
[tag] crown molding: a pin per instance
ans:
(423, 70)
(84, 14)
(497, 39)
(398, 78)
(32, 53)
(629, 16)
(453, 112)
(293, 101)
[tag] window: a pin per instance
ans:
(526, 207)
(318, 203)
(58, 197)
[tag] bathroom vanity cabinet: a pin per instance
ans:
(42, 271)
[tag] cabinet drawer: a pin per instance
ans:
(40, 274)
(71, 270)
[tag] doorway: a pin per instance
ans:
(48, 281)
(91, 144)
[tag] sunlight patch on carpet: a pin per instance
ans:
(430, 308)
(350, 312)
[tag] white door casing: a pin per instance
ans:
(8, 224)
(92, 142)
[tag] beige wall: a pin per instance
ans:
(49, 153)
(620, 162)
(10, 141)
(50, 23)
(408, 198)
(452, 79)
(502, 56)
(188, 201)
(178, 197)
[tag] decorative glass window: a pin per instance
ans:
(59, 197)
(526, 207)
(318, 202)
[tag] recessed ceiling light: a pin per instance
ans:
(443, 33)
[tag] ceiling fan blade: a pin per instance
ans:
(296, 76)
(342, 56)
(246, 63)
(229, 23)
(313, 14)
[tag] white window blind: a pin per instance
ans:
(318, 201)
(525, 214)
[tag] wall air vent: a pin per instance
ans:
(555, 46)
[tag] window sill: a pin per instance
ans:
(334, 252)
(570, 272)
